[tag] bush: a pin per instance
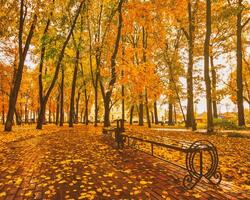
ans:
(226, 124)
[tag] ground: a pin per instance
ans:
(79, 163)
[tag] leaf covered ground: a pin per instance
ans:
(79, 163)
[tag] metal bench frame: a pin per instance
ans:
(199, 147)
(196, 148)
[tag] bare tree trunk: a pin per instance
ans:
(206, 67)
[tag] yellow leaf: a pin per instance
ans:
(197, 195)
(2, 194)
(143, 182)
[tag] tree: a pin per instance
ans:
(46, 95)
(108, 92)
(239, 79)
(206, 67)
(22, 56)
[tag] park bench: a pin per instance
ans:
(195, 164)
(196, 168)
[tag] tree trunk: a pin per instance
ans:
(3, 114)
(131, 115)
(106, 112)
(62, 100)
(49, 111)
(26, 112)
(214, 85)
(18, 120)
(57, 108)
(240, 102)
(82, 121)
(147, 110)
(123, 101)
(22, 56)
(73, 89)
(96, 97)
(41, 115)
(155, 113)
(170, 114)
(77, 107)
(152, 117)
(86, 106)
(175, 115)
(190, 121)
(206, 67)
(140, 114)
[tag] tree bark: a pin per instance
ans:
(170, 114)
(123, 100)
(131, 115)
(50, 111)
(77, 107)
(155, 113)
(73, 89)
(62, 99)
(58, 108)
(18, 119)
(140, 114)
(3, 113)
(147, 110)
(152, 117)
(86, 106)
(239, 79)
(190, 119)
(206, 67)
(214, 85)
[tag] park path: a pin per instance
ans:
(81, 164)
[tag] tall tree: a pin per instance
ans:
(108, 92)
(46, 95)
(206, 67)
(23, 50)
(239, 71)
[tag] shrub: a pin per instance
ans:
(226, 124)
